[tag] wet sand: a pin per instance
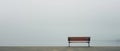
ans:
(59, 48)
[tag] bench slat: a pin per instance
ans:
(78, 38)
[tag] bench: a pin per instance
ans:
(79, 40)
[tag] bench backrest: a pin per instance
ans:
(78, 38)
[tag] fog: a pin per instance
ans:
(50, 22)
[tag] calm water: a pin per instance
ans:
(60, 43)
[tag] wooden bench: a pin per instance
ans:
(79, 40)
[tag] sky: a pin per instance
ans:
(48, 22)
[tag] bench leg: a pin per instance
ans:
(69, 44)
(88, 44)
